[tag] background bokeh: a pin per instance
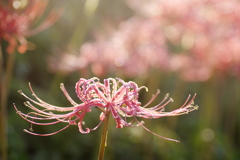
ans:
(181, 48)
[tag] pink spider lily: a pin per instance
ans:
(17, 23)
(113, 96)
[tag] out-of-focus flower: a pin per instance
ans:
(205, 32)
(194, 38)
(113, 96)
(17, 18)
(66, 62)
(132, 50)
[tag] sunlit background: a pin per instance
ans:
(180, 47)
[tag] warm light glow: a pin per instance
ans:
(16, 4)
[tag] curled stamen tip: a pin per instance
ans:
(61, 85)
(167, 95)
(25, 130)
(20, 91)
(146, 89)
(142, 122)
(27, 103)
(142, 88)
(31, 129)
(95, 78)
(18, 112)
(196, 107)
(171, 99)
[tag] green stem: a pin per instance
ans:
(9, 70)
(104, 138)
(2, 116)
(5, 83)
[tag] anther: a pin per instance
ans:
(167, 95)
(18, 112)
(20, 92)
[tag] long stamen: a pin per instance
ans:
(151, 100)
(49, 134)
(160, 106)
(67, 95)
(155, 133)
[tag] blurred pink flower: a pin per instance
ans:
(132, 50)
(205, 32)
(113, 96)
(16, 23)
(194, 38)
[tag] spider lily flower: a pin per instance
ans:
(16, 22)
(114, 97)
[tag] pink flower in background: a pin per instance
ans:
(194, 38)
(203, 35)
(17, 19)
(113, 96)
(132, 50)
